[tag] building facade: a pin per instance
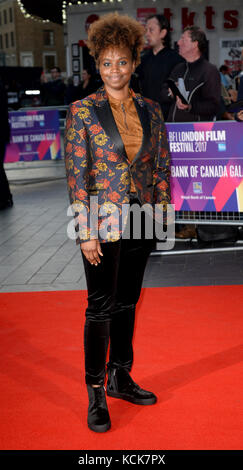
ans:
(221, 20)
(29, 41)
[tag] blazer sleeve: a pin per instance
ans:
(77, 161)
(161, 176)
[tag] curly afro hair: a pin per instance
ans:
(113, 30)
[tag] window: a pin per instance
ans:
(10, 15)
(48, 37)
(12, 38)
(1, 41)
(5, 16)
(49, 62)
(26, 59)
(6, 40)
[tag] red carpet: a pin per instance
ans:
(188, 350)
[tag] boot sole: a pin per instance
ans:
(136, 401)
(99, 428)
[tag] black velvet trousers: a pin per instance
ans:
(114, 288)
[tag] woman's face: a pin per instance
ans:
(116, 67)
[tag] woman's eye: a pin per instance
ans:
(122, 62)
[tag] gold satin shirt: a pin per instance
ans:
(129, 127)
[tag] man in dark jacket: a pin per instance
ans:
(5, 194)
(200, 78)
(239, 115)
(200, 84)
(157, 64)
(240, 90)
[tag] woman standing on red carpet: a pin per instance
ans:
(116, 155)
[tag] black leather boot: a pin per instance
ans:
(121, 385)
(98, 415)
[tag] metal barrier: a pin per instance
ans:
(205, 218)
(214, 218)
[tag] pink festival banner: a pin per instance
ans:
(207, 166)
(35, 135)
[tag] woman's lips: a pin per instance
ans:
(115, 78)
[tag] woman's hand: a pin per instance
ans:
(91, 250)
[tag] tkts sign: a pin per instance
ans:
(229, 17)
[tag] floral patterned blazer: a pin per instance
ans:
(97, 164)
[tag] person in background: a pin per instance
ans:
(87, 85)
(228, 94)
(201, 81)
(239, 115)
(116, 150)
(53, 92)
(70, 92)
(6, 199)
(158, 63)
(240, 90)
(239, 75)
(225, 76)
(228, 100)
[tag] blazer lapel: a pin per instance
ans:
(145, 122)
(107, 121)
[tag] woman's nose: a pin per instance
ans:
(114, 67)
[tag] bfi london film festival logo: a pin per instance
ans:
(156, 223)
